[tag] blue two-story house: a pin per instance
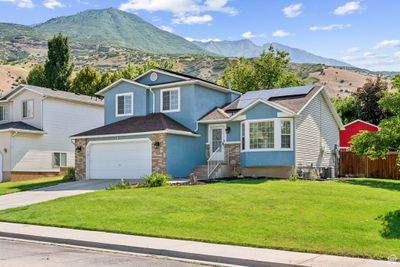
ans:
(181, 125)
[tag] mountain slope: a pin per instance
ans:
(246, 48)
(113, 27)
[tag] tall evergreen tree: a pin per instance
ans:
(58, 67)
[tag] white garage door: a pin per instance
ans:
(119, 160)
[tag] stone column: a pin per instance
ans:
(233, 151)
(80, 159)
(159, 152)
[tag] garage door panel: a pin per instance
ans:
(120, 160)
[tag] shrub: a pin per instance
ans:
(119, 186)
(157, 179)
(294, 176)
(70, 175)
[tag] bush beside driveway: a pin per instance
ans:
(352, 218)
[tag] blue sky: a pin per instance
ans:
(363, 33)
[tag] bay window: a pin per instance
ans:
(267, 134)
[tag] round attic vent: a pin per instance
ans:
(153, 76)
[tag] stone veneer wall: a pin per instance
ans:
(159, 154)
(80, 159)
(233, 153)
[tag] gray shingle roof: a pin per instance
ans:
(140, 124)
(18, 125)
(56, 94)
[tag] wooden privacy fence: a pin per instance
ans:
(351, 165)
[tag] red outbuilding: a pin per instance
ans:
(352, 129)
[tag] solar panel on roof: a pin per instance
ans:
(249, 97)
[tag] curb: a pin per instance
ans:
(151, 251)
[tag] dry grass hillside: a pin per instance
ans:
(10, 76)
(342, 82)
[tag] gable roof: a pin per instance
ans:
(288, 100)
(186, 79)
(154, 122)
(54, 93)
(19, 126)
(365, 122)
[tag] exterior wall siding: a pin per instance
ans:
(140, 96)
(184, 153)
(317, 135)
(61, 119)
(16, 108)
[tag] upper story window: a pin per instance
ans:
(267, 135)
(27, 109)
(124, 104)
(2, 113)
(170, 100)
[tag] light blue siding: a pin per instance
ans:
(267, 158)
(234, 134)
(161, 78)
(140, 96)
(184, 153)
(195, 102)
(261, 111)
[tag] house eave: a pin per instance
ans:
(168, 131)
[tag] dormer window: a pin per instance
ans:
(124, 104)
(27, 109)
(170, 100)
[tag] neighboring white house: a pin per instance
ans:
(35, 126)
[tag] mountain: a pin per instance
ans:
(246, 48)
(108, 28)
(113, 27)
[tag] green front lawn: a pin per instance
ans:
(355, 218)
(13, 187)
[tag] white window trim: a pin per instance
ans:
(4, 113)
(277, 135)
(116, 105)
(66, 159)
(33, 109)
(162, 99)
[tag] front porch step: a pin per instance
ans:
(201, 171)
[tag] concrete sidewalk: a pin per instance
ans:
(226, 254)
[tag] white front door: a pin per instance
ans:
(217, 140)
(123, 159)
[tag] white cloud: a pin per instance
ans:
(280, 33)
(184, 11)
(248, 35)
(330, 27)
(368, 54)
(166, 28)
(353, 50)
(21, 3)
(192, 19)
(293, 10)
(388, 44)
(52, 4)
(397, 55)
(348, 8)
(205, 40)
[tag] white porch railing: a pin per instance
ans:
(213, 162)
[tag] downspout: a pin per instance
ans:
(154, 100)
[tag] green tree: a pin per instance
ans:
(87, 81)
(348, 108)
(268, 71)
(396, 82)
(368, 96)
(58, 67)
(378, 144)
(36, 76)
(239, 75)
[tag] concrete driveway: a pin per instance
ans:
(53, 192)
